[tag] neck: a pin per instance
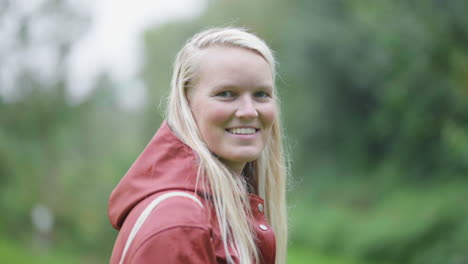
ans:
(236, 167)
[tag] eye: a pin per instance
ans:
(261, 94)
(225, 94)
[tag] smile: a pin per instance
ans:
(242, 131)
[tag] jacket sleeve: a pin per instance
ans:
(176, 245)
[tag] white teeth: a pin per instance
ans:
(242, 131)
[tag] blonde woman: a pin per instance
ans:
(210, 185)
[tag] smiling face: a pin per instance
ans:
(232, 103)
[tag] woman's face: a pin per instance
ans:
(232, 103)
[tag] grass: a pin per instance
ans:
(14, 253)
(303, 256)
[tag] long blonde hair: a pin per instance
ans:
(229, 193)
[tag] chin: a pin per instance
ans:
(245, 157)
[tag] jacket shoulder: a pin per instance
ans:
(173, 230)
(177, 245)
(175, 210)
(171, 211)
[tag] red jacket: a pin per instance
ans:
(178, 230)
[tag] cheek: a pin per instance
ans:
(269, 114)
(212, 128)
(211, 121)
(217, 115)
(220, 116)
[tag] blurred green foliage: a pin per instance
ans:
(375, 105)
(11, 252)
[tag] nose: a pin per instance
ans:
(246, 108)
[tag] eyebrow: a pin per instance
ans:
(226, 85)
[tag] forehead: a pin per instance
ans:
(233, 64)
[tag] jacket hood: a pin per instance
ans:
(165, 164)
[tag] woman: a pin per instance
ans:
(221, 146)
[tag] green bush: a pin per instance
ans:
(406, 225)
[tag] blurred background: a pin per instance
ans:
(374, 100)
